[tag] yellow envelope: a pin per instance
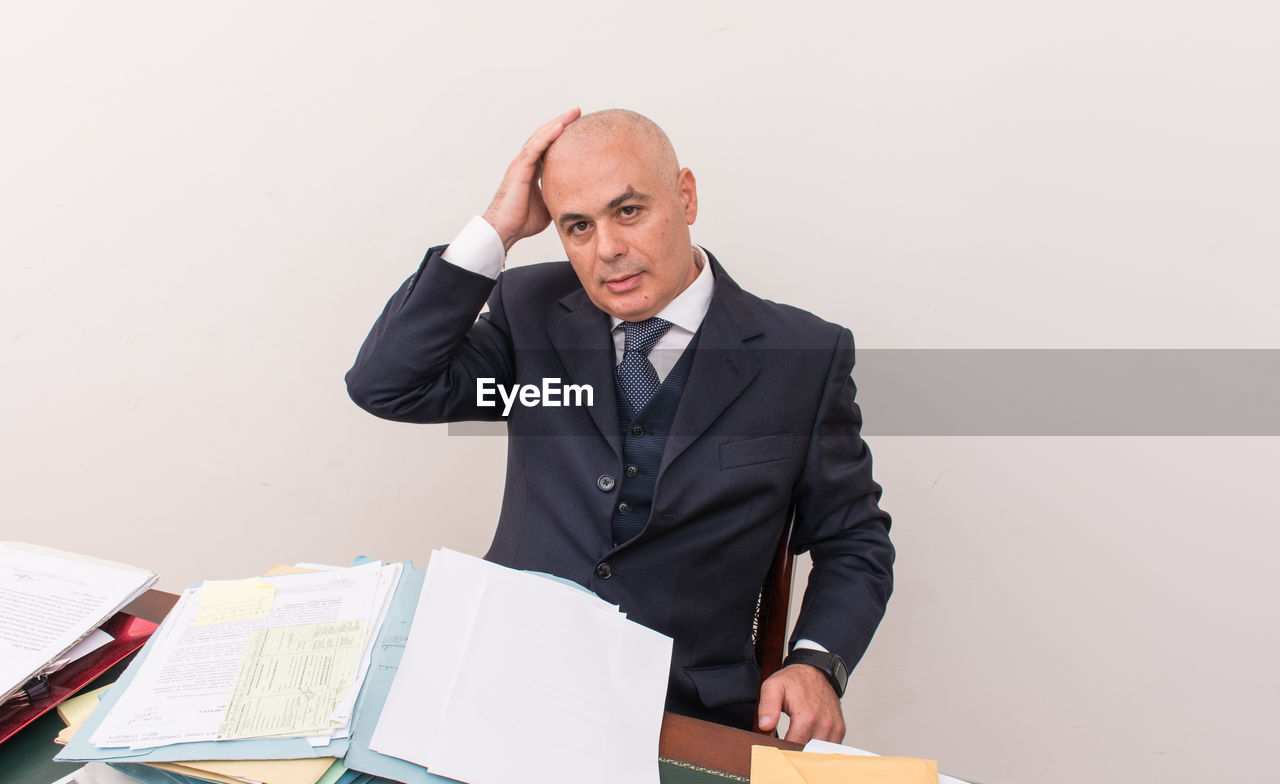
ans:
(775, 766)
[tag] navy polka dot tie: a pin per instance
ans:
(635, 374)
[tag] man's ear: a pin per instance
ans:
(687, 186)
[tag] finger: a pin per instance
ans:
(827, 725)
(801, 729)
(547, 133)
(833, 735)
(770, 709)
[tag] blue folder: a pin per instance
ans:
(382, 671)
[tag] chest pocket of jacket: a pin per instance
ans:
(753, 451)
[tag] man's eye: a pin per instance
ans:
(578, 227)
(629, 210)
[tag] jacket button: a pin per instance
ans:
(624, 507)
(632, 470)
(637, 431)
(605, 482)
(604, 571)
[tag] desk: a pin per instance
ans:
(28, 757)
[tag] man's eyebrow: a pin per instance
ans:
(631, 194)
(571, 217)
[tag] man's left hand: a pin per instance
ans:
(805, 695)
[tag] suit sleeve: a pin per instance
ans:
(839, 522)
(424, 354)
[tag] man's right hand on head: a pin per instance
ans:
(517, 210)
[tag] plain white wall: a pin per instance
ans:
(204, 206)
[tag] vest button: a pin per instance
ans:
(637, 431)
(624, 507)
(604, 571)
(632, 471)
(605, 482)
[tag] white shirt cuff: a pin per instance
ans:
(477, 248)
(810, 644)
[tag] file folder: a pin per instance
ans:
(129, 633)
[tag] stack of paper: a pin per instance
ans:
(502, 666)
(257, 669)
(51, 600)
(384, 672)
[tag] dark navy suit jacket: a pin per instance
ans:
(767, 421)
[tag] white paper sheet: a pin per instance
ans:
(433, 653)
(50, 599)
(91, 642)
(500, 659)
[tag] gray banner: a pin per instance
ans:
(1069, 392)
(1057, 392)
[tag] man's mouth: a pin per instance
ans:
(620, 285)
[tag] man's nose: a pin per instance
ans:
(610, 242)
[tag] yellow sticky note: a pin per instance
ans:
(280, 569)
(224, 601)
(775, 766)
(75, 710)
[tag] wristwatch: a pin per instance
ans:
(830, 664)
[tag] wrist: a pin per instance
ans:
(830, 665)
(508, 238)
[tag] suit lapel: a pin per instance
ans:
(722, 366)
(582, 341)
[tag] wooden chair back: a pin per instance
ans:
(770, 633)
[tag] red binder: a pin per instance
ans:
(129, 633)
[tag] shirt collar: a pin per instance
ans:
(690, 306)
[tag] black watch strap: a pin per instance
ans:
(831, 665)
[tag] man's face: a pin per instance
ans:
(623, 223)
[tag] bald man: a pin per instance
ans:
(662, 422)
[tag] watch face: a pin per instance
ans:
(842, 675)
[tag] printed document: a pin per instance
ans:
(49, 599)
(291, 680)
(183, 689)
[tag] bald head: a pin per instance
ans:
(613, 128)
